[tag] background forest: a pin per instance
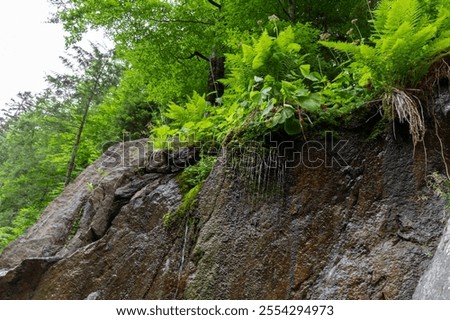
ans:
(214, 71)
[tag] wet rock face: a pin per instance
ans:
(362, 231)
(21, 281)
(361, 226)
(435, 282)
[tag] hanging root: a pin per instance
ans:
(447, 173)
(406, 107)
(438, 71)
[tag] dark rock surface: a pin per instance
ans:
(364, 231)
(362, 225)
(21, 281)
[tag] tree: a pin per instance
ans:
(176, 47)
(96, 72)
(47, 138)
(154, 37)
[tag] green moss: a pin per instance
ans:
(74, 229)
(191, 182)
(196, 174)
(188, 203)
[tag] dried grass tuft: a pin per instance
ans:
(406, 107)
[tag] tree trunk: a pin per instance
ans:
(216, 72)
(292, 10)
(76, 146)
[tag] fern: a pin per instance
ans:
(392, 14)
(177, 113)
(286, 42)
(262, 48)
(193, 111)
(408, 36)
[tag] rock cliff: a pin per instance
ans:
(341, 218)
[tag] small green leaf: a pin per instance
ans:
(205, 124)
(294, 47)
(256, 97)
(258, 79)
(302, 93)
(277, 119)
(266, 91)
(305, 69)
(287, 112)
(306, 72)
(311, 102)
(189, 125)
(365, 79)
(292, 126)
(268, 109)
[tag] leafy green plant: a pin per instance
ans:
(271, 78)
(408, 37)
(269, 87)
(406, 41)
(196, 121)
(193, 111)
(271, 58)
(196, 174)
(190, 122)
(267, 73)
(160, 137)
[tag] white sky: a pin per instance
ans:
(29, 47)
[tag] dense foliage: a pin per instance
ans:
(212, 72)
(39, 139)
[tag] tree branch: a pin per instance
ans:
(198, 55)
(180, 21)
(215, 4)
(284, 9)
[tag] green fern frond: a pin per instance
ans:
(286, 42)
(176, 113)
(193, 111)
(409, 35)
(387, 42)
(197, 106)
(248, 54)
(368, 52)
(443, 20)
(262, 49)
(392, 14)
(441, 45)
(381, 15)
